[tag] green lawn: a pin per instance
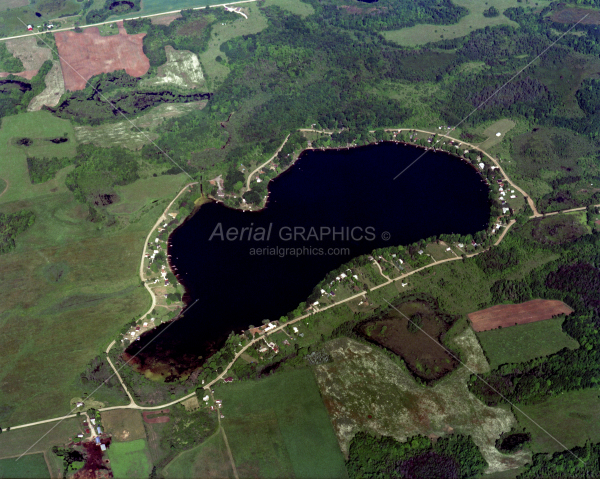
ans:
(209, 459)
(297, 7)
(32, 466)
(525, 341)
(572, 418)
(130, 459)
(421, 34)
(44, 436)
(40, 126)
(279, 427)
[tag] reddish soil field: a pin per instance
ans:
(573, 15)
(83, 55)
(511, 314)
(156, 419)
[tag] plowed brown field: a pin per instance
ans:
(511, 314)
(151, 418)
(85, 54)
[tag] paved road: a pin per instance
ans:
(119, 20)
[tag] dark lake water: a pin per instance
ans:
(350, 192)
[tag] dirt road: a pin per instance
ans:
(265, 163)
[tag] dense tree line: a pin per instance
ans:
(11, 226)
(111, 96)
(454, 456)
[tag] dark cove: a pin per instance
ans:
(341, 189)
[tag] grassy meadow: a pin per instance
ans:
(525, 341)
(129, 460)
(421, 34)
(209, 459)
(69, 284)
(16, 441)
(279, 427)
(31, 466)
(569, 418)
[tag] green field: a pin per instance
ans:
(32, 466)
(278, 427)
(40, 126)
(130, 459)
(572, 418)
(66, 279)
(421, 34)
(17, 441)
(297, 7)
(151, 7)
(209, 459)
(525, 341)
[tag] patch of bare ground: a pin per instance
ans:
(28, 74)
(181, 69)
(574, 15)
(14, 3)
(164, 19)
(55, 87)
(193, 28)
(88, 53)
(29, 52)
(365, 390)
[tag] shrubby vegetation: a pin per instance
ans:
(44, 169)
(112, 7)
(449, 457)
(11, 226)
(8, 62)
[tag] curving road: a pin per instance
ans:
(266, 162)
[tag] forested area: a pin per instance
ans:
(11, 226)
(98, 170)
(454, 456)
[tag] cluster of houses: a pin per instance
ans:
(138, 330)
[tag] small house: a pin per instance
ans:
(29, 28)
(102, 447)
(97, 440)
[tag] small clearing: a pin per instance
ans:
(55, 87)
(505, 315)
(164, 19)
